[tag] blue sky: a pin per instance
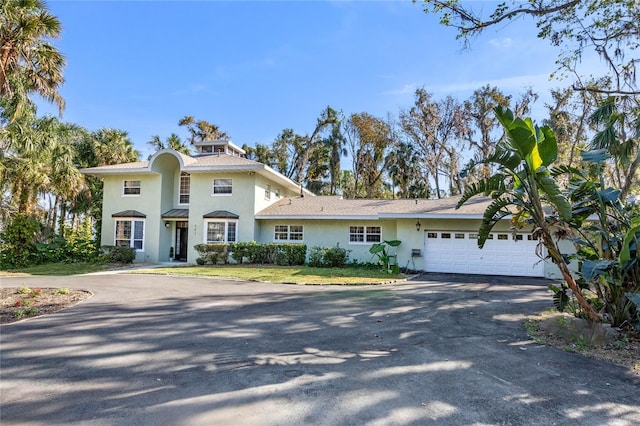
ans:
(255, 68)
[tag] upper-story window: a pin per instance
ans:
(365, 234)
(131, 187)
(222, 187)
(267, 192)
(185, 188)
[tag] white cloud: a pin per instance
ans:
(406, 89)
(538, 82)
(501, 43)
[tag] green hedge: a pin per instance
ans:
(253, 253)
(212, 253)
(328, 257)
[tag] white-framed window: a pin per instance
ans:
(131, 187)
(288, 233)
(365, 234)
(267, 192)
(185, 188)
(129, 232)
(222, 187)
(220, 231)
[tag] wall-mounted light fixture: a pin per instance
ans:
(418, 225)
(167, 225)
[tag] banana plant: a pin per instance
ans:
(385, 259)
(522, 187)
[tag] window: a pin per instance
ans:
(459, 236)
(131, 187)
(221, 231)
(267, 192)
(446, 235)
(288, 233)
(503, 236)
(519, 237)
(130, 233)
(222, 187)
(432, 235)
(365, 234)
(185, 188)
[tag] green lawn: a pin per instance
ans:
(282, 274)
(57, 269)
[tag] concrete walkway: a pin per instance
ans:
(158, 350)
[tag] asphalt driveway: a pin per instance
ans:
(154, 350)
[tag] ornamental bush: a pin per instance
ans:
(212, 253)
(328, 257)
(261, 253)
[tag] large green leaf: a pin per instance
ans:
(494, 184)
(630, 236)
(595, 156)
(593, 268)
(549, 186)
(522, 136)
(393, 243)
(548, 146)
(496, 211)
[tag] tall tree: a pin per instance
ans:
(201, 130)
(370, 140)
(29, 63)
(436, 127)
(172, 142)
(405, 170)
(618, 121)
(336, 144)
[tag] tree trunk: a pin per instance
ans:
(557, 258)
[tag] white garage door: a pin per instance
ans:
(458, 252)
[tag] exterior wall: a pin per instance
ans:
(323, 233)
(240, 202)
(147, 202)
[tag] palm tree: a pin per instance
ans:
(172, 142)
(29, 63)
(521, 188)
(336, 143)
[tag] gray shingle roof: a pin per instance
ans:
(329, 207)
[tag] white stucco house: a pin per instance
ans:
(165, 206)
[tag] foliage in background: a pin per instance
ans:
(26, 242)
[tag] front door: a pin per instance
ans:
(182, 229)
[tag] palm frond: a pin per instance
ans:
(554, 195)
(492, 185)
(496, 211)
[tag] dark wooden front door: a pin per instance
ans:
(182, 229)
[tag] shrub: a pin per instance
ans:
(212, 253)
(260, 253)
(116, 254)
(328, 257)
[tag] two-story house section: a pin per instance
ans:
(165, 206)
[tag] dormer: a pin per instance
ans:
(222, 146)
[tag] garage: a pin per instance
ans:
(503, 254)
